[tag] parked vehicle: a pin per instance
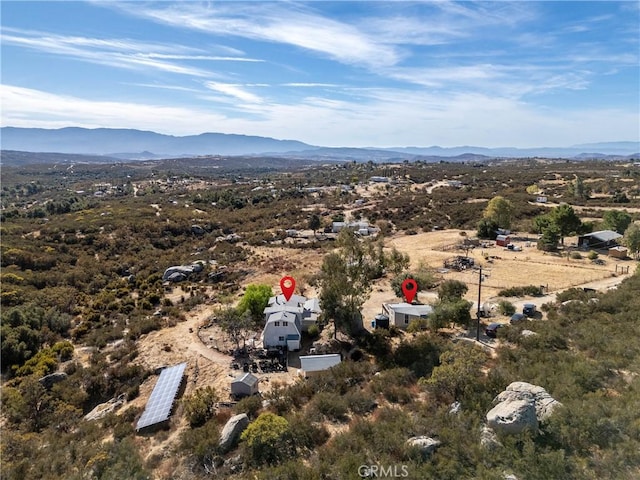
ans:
(529, 309)
(492, 329)
(517, 318)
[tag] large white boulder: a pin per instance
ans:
(543, 402)
(513, 416)
(232, 430)
(521, 406)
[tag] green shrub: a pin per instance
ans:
(307, 436)
(576, 255)
(64, 350)
(329, 406)
(200, 406)
(268, 440)
(360, 402)
(592, 255)
(313, 331)
(531, 290)
(457, 375)
(392, 384)
(418, 325)
(249, 405)
(201, 443)
(42, 363)
(506, 308)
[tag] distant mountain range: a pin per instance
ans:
(129, 144)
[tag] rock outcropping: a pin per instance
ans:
(106, 408)
(426, 445)
(520, 407)
(180, 273)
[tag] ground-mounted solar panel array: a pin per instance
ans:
(160, 402)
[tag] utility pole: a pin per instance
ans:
(478, 313)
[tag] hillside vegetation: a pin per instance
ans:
(84, 249)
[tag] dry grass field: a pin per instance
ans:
(509, 268)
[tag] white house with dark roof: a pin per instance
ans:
(282, 330)
(402, 314)
(285, 320)
(306, 310)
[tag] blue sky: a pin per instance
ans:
(329, 73)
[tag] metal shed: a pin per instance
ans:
(244, 386)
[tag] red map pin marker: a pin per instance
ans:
(409, 288)
(288, 285)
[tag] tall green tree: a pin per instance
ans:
(315, 223)
(397, 261)
(549, 239)
(235, 324)
(616, 220)
(541, 222)
(487, 228)
(565, 218)
(345, 281)
(632, 239)
(500, 210)
(452, 290)
(577, 189)
(254, 300)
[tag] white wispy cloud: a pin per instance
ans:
(310, 85)
(165, 56)
(178, 88)
(235, 91)
(120, 53)
(287, 23)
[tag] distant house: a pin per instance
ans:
(402, 314)
(310, 364)
(361, 226)
(244, 386)
(376, 179)
(603, 239)
(337, 226)
(541, 199)
(282, 330)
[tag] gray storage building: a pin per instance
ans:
(244, 386)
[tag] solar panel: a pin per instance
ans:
(160, 402)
